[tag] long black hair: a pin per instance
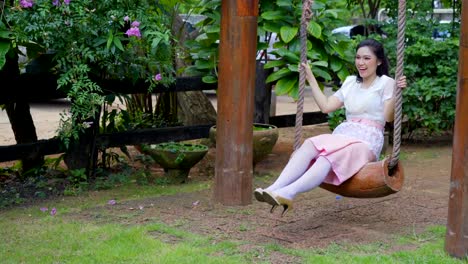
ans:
(378, 49)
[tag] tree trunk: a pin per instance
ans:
(25, 132)
(19, 114)
(82, 153)
(262, 95)
(194, 108)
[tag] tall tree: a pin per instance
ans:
(369, 8)
(17, 108)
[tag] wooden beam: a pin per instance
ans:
(456, 240)
(41, 147)
(43, 86)
(236, 85)
(116, 139)
(152, 136)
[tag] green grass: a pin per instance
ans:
(428, 248)
(53, 240)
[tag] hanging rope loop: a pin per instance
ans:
(305, 19)
(398, 92)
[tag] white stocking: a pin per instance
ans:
(297, 165)
(312, 178)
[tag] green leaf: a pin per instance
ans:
(314, 29)
(295, 45)
(118, 44)
(320, 63)
(210, 79)
(332, 12)
(321, 73)
(284, 3)
(203, 64)
(288, 55)
(317, 5)
(293, 67)
(273, 15)
(294, 93)
(155, 44)
(278, 75)
(288, 33)
(212, 29)
(313, 54)
(273, 64)
(99, 41)
(4, 48)
(272, 27)
(335, 65)
(5, 34)
(285, 86)
(110, 39)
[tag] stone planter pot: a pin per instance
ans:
(176, 158)
(264, 139)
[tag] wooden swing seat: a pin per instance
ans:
(372, 181)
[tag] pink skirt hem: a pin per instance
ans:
(345, 154)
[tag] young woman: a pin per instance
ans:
(334, 158)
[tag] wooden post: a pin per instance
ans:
(236, 84)
(456, 239)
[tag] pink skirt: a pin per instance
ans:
(345, 154)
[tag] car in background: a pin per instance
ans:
(359, 30)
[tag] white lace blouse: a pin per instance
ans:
(368, 104)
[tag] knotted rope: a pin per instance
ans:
(399, 73)
(305, 19)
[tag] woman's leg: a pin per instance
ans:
(296, 166)
(312, 178)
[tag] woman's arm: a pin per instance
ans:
(389, 105)
(326, 104)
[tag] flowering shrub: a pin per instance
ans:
(94, 40)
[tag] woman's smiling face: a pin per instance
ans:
(366, 63)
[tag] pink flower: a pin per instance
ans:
(134, 31)
(158, 77)
(111, 202)
(26, 3)
(126, 18)
(67, 2)
(44, 209)
(53, 211)
(135, 24)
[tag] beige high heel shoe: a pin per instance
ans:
(286, 203)
(276, 200)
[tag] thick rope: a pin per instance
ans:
(399, 73)
(305, 19)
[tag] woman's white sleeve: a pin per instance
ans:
(343, 91)
(388, 89)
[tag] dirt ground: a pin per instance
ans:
(319, 217)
